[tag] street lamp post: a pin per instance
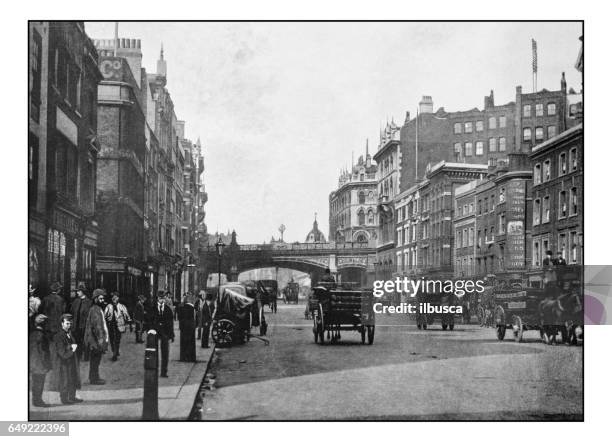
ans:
(219, 246)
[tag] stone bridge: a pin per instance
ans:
(346, 261)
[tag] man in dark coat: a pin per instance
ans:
(67, 379)
(139, 316)
(560, 261)
(40, 360)
(208, 309)
(160, 318)
(187, 327)
(96, 336)
(53, 307)
(79, 309)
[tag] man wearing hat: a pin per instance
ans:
(117, 317)
(67, 378)
(40, 361)
(161, 319)
(33, 305)
(53, 307)
(79, 310)
(96, 336)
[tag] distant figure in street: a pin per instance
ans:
(560, 261)
(66, 376)
(328, 277)
(549, 261)
(40, 360)
(160, 319)
(208, 309)
(79, 309)
(198, 309)
(53, 307)
(96, 336)
(187, 324)
(117, 318)
(139, 313)
(33, 305)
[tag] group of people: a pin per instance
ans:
(64, 334)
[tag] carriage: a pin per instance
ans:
(269, 292)
(235, 313)
(342, 307)
(436, 300)
(291, 293)
(556, 308)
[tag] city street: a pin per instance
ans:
(406, 374)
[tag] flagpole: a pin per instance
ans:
(416, 149)
(116, 38)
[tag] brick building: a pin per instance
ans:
(464, 226)
(121, 176)
(558, 202)
(62, 155)
(352, 207)
(437, 196)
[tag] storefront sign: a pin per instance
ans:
(515, 228)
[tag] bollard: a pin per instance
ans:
(151, 362)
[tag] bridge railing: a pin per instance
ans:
(331, 246)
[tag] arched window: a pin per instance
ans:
(361, 238)
(370, 216)
(361, 217)
(361, 198)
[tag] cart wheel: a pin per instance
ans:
(222, 332)
(363, 334)
(370, 334)
(501, 332)
(517, 328)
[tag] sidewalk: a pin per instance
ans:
(121, 397)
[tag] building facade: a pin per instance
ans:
(62, 155)
(464, 226)
(558, 197)
(352, 207)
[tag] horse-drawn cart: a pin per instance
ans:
(342, 308)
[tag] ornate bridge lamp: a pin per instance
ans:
(219, 246)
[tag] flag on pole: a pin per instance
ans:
(534, 50)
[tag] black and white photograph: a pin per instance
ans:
(352, 216)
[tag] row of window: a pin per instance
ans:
(551, 131)
(567, 243)
(551, 109)
(467, 127)
(467, 150)
(466, 209)
(565, 208)
(566, 163)
(407, 260)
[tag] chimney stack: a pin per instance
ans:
(426, 105)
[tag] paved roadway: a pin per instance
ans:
(408, 374)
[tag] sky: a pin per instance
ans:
(281, 107)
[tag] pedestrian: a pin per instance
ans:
(79, 309)
(560, 261)
(139, 313)
(328, 277)
(198, 311)
(160, 318)
(53, 307)
(40, 360)
(33, 305)
(67, 378)
(187, 327)
(208, 309)
(117, 318)
(96, 336)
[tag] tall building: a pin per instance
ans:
(558, 217)
(120, 197)
(352, 206)
(62, 155)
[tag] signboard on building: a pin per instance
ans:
(515, 229)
